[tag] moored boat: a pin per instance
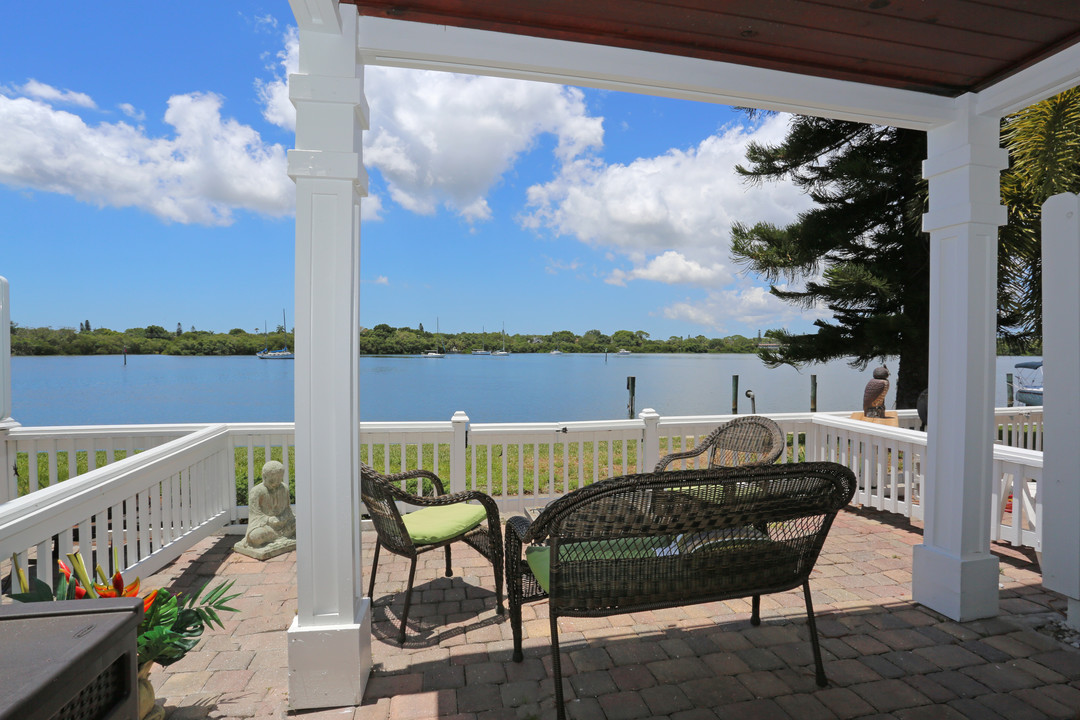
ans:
(1028, 382)
(267, 354)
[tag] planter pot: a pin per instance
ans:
(148, 707)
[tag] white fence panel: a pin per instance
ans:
(61, 448)
(1015, 507)
(527, 464)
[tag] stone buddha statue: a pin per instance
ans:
(271, 523)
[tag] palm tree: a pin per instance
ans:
(1044, 150)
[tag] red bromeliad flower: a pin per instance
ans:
(148, 601)
(118, 589)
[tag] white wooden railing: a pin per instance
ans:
(150, 491)
(143, 510)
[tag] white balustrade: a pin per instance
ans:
(148, 490)
(143, 510)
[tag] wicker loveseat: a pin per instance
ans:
(658, 540)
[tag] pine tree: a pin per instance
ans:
(860, 253)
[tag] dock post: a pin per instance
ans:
(734, 394)
(813, 393)
(631, 383)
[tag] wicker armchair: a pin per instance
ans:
(748, 440)
(659, 540)
(442, 520)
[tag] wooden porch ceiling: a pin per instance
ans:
(943, 47)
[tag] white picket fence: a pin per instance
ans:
(148, 493)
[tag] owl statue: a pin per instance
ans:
(873, 399)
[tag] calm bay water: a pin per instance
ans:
(101, 390)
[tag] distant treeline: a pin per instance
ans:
(386, 340)
(150, 340)
(379, 340)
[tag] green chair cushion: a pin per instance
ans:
(539, 556)
(438, 524)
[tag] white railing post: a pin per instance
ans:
(458, 451)
(650, 439)
(8, 485)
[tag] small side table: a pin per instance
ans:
(70, 660)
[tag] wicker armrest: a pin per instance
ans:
(520, 527)
(440, 489)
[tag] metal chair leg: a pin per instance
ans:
(408, 600)
(822, 681)
(755, 610)
(374, 565)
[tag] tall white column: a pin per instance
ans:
(330, 638)
(953, 570)
(1060, 485)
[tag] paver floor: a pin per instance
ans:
(885, 655)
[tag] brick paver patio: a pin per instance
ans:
(885, 656)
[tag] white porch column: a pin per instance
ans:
(953, 570)
(330, 638)
(1060, 486)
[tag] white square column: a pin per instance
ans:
(953, 570)
(1060, 485)
(330, 639)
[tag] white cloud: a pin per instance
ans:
(684, 200)
(382, 280)
(749, 305)
(208, 168)
(554, 266)
(130, 110)
(48, 93)
(274, 94)
(265, 22)
(673, 268)
(444, 140)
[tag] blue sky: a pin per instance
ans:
(142, 181)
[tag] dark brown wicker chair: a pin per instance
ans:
(748, 440)
(430, 527)
(658, 540)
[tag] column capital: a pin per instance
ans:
(305, 87)
(328, 165)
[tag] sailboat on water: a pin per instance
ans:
(434, 353)
(283, 354)
(503, 352)
(482, 350)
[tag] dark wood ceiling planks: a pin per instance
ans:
(944, 47)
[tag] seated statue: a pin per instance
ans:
(271, 523)
(874, 395)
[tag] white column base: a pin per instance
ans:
(329, 664)
(1072, 615)
(957, 588)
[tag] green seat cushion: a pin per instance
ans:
(438, 524)
(539, 556)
